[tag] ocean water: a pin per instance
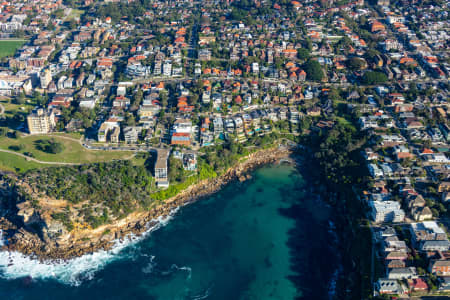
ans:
(267, 238)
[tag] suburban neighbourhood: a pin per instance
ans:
(179, 77)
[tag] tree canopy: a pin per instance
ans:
(49, 146)
(374, 77)
(313, 70)
(356, 63)
(302, 53)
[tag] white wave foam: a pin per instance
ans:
(187, 269)
(15, 265)
(202, 296)
(150, 266)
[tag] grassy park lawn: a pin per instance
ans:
(72, 151)
(343, 121)
(12, 108)
(140, 159)
(76, 13)
(15, 163)
(9, 47)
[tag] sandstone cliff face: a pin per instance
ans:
(33, 230)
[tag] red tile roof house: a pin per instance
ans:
(418, 284)
(290, 53)
(104, 63)
(440, 267)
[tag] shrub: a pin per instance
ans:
(16, 147)
(28, 154)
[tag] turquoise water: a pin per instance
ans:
(267, 238)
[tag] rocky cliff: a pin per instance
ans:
(31, 227)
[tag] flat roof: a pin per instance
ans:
(161, 160)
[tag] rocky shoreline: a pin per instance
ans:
(80, 242)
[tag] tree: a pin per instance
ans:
(38, 99)
(131, 121)
(356, 63)
(72, 24)
(139, 96)
(238, 14)
(313, 70)
(14, 135)
(374, 77)
(334, 94)
(49, 146)
(21, 98)
(302, 53)
(58, 14)
(16, 147)
(50, 26)
(194, 99)
(163, 96)
(137, 99)
(371, 53)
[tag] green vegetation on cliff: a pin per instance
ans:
(336, 163)
(99, 193)
(216, 161)
(119, 186)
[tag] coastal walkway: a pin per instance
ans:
(40, 161)
(28, 158)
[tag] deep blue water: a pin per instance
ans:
(267, 238)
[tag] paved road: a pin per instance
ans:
(156, 79)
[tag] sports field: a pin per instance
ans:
(9, 47)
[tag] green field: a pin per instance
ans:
(72, 152)
(12, 108)
(15, 163)
(9, 47)
(75, 13)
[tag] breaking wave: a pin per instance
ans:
(187, 269)
(150, 266)
(202, 296)
(14, 265)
